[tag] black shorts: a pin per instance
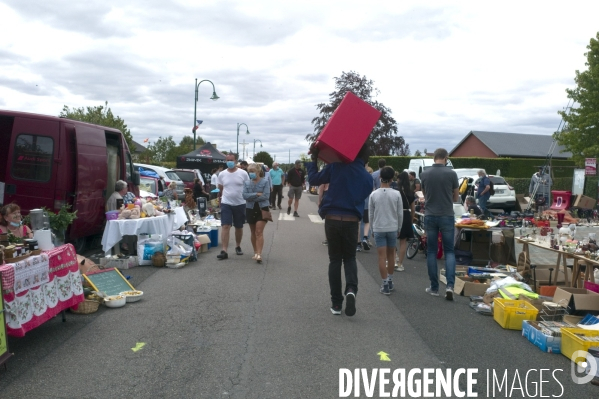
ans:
(254, 214)
(365, 216)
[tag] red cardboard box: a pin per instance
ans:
(347, 130)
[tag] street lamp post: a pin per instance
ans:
(255, 146)
(195, 106)
(247, 131)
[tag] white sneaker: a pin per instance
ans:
(449, 294)
(399, 268)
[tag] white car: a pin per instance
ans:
(168, 175)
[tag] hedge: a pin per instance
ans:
(513, 167)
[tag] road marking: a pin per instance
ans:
(384, 356)
(316, 219)
(285, 216)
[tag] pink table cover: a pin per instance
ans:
(29, 309)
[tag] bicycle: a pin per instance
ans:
(418, 243)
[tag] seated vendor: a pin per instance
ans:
(471, 205)
(171, 192)
(198, 190)
(11, 222)
(120, 189)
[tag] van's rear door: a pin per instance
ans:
(91, 176)
(32, 163)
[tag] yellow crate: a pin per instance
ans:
(572, 343)
(511, 313)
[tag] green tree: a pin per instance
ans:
(99, 115)
(417, 153)
(580, 135)
(264, 157)
(161, 150)
(384, 139)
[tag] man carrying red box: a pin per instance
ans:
(342, 209)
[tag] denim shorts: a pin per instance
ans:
(232, 215)
(385, 239)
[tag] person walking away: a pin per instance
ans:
(278, 180)
(544, 182)
(440, 187)
(295, 178)
(409, 211)
(386, 212)
(256, 192)
(232, 208)
(483, 192)
(376, 176)
(342, 208)
(414, 182)
(364, 224)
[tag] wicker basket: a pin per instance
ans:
(158, 259)
(86, 307)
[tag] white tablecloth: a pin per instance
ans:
(116, 229)
(177, 218)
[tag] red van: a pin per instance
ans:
(47, 161)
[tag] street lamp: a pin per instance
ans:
(247, 131)
(195, 106)
(255, 146)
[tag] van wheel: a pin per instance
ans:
(80, 245)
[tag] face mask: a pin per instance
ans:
(252, 175)
(14, 224)
(230, 164)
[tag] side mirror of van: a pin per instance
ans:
(135, 178)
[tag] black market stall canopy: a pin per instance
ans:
(204, 158)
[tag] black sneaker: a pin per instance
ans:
(280, 207)
(295, 214)
(325, 242)
(222, 255)
(359, 248)
(288, 210)
(365, 245)
(238, 251)
(449, 294)
(391, 286)
(336, 310)
(350, 303)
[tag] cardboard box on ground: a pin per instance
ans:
(204, 239)
(577, 300)
(584, 202)
(465, 285)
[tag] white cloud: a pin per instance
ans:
(443, 68)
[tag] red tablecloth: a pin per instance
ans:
(29, 309)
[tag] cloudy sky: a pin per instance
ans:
(444, 68)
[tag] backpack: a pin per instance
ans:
(491, 188)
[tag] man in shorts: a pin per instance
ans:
(232, 208)
(296, 178)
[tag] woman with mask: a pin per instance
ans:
(256, 192)
(11, 222)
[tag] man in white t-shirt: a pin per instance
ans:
(232, 208)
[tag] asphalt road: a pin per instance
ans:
(238, 329)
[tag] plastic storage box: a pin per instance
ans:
(571, 342)
(510, 313)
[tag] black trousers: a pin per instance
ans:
(276, 190)
(341, 237)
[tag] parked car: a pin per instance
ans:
(469, 172)
(168, 175)
(46, 161)
(504, 197)
(148, 184)
(188, 176)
